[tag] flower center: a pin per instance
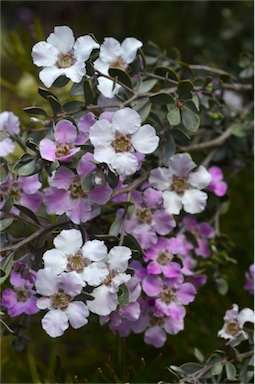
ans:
(76, 189)
(163, 258)
(167, 296)
(144, 215)
(179, 184)
(62, 150)
(60, 300)
(22, 295)
(77, 262)
(109, 278)
(121, 143)
(66, 60)
(14, 190)
(233, 328)
(119, 64)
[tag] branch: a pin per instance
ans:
(40, 232)
(132, 186)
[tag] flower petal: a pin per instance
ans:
(62, 178)
(194, 201)
(107, 87)
(44, 54)
(48, 149)
(65, 132)
(155, 336)
(62, 39)
(77, 313)
(126, 121)
(172, 202)
(110, 50)
(83, 47)
(200, 178)
(125, 163)
(49, 74)
(105, 301)
(94, 250)
(101, 133)
(55, 259)
(46, 282)
(181, 164)
(69, 241)
(129, 49)
(145, 139)
(118, 258)
(55, 322)
(160, 178)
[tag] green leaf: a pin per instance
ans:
(240, 129)
(174, 116)
(32, 145)
(5, 223)
(55, 104)
(88, 92)
(8, 205)
(77, 89)
(28, 169)
(190, 368)
(27, 212)
(45, 93)
(199, 355)
(72, 106)
(217, 368)
(112, 178)
(5, 267)
(190, 120)
(122, 76)
(90, 70)
(162, 98)
(87, 183)
(230, 371)
(143, 107)
(147, 85)
(35, 111)
(61, 81)
(131, 242)
(114, 229)
(167, 72)
(184, 89)
(123, 294)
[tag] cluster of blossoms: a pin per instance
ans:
(94, 158)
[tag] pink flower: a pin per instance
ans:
(217, 185)
(63, 147)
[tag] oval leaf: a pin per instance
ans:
(35, 111)
(5, 267)
(122, 76)
(174, 116)
(162, 98)
(190, 120)
(184, 89)
(27, 212)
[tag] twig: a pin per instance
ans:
(132, 186)
(40, 232)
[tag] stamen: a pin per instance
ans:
(121, 143)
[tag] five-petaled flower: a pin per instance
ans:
(9, 125)
(116, 142)
(61, 55)
(180, 186)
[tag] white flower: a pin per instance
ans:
(58, 292)
(180, 186)
(234, 322)
(60, 55)
(114, 142)
(70, 254)
(106, 295)
(116, 55)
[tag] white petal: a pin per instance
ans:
(194, 201)
(181, 164)
(172, 202)
(68, 241)
(44, 54)
(46, 282)
(94, 250)
(75, 72)
(104, 303)
(49, 74)
(77, 313)
(245, 315)
(125, 163)
(129, 49)
(107, 87)
(62, 39)
(118, 258)
(119, 279)
(101, 133)
(83, 47)
(55, 259)
(145, 139)
(55, 323)
(110, 50)
(101, 66)
(160, 178)
(200, 178)
(71, 283)
(126, 121)
(95, 273)
(43, 303)
(104, 154)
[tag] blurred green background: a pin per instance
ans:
(205, 32)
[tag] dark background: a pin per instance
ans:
(205, 32)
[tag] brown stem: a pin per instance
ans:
(130, 187)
